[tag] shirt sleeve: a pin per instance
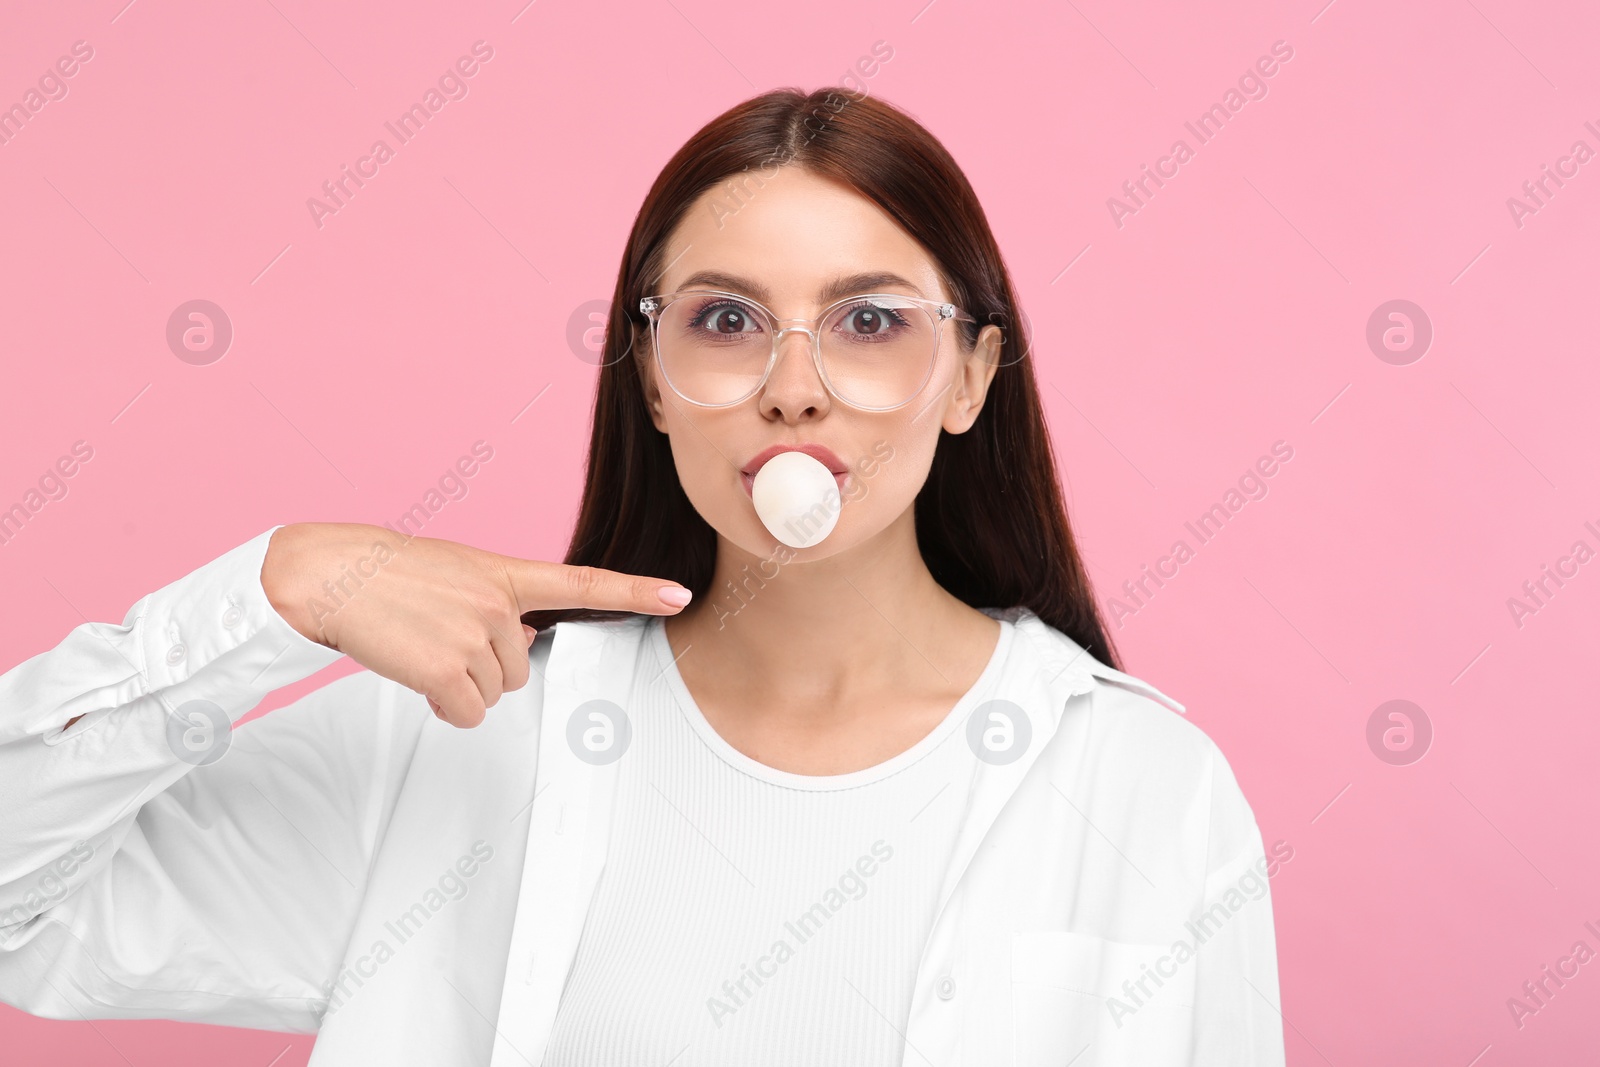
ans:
(1237, 1016)
(145, 875)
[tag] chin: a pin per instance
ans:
(753, 537)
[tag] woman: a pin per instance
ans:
(885, 799)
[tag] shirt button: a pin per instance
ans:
(176, 653)
(946, 988)
(230, 618)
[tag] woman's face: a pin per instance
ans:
(782, 242)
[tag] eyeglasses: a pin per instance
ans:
(874, 352)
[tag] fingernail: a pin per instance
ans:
(674, 595)
(530, 632)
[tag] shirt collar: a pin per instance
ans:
(1067, 663)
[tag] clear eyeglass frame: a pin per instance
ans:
(652, 307)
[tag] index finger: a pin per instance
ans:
(539, 585)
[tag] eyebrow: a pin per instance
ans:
(834, 289)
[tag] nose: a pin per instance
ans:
(794, 389)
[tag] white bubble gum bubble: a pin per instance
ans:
(796, 498)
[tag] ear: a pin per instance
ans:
(647, 377)
(972, 381)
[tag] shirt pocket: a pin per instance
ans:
(1078, 999)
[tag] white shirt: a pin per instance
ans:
(751, 915)
(416, 893)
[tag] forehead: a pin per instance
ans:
(794, 241)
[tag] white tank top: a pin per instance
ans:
(748, 915)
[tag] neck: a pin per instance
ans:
(866, 619)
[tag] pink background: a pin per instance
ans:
(1228, 313)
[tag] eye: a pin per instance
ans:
(724, 317)
(870, 319)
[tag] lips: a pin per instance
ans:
(820, 453)
(823, 455)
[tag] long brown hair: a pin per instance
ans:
(991, 521)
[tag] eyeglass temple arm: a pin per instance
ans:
(958, 314)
